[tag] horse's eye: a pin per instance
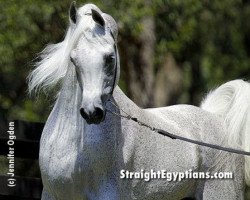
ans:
(109, 59)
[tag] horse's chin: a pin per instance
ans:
(94, 121)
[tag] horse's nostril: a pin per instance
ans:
(83, 113)
(98, 113)
(95, 116)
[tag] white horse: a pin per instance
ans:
(83, 149)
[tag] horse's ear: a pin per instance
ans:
(97, 18)
(72, 12)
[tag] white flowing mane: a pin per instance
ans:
(55, 58)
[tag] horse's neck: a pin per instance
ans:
(124, 103)
(69, 99)
(64, 124)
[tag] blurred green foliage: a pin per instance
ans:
(208, 39)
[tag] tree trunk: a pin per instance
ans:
(168, 83)
(139, 63)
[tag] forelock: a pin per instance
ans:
(86, 9)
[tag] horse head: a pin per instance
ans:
(95, 57)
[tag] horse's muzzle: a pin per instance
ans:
(93, 116)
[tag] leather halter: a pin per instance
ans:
(116, 67)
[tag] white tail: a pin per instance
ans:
(231, 101)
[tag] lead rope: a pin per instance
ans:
(173, 136)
